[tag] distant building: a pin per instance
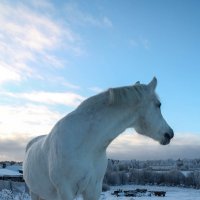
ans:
(15, 167)
(7, 174)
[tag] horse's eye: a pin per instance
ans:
(158, 105)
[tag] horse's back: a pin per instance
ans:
(34, 140)
(33, 156)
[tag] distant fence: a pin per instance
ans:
(15, 187)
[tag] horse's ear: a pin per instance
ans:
(152, 84)
(137, 83)
(111, 96)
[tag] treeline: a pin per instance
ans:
(3, 164)
(121, 173)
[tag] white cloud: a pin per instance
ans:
(70, 85)
(53, 61)
(26, 120)
(133, 42)
(107, 22)
(25, 34)
(140, 42)
(62, 81)
(96, 89)
(7, 73)
(76, 15)
(67, 98)
(42, 4)
(145, 42)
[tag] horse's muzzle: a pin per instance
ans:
(167, 137)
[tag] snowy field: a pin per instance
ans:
(172, 193)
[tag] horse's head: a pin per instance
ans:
(150, 121)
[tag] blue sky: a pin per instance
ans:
(54, 54)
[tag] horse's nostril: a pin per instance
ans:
(167, 136)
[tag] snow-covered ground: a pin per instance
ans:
(172, 193)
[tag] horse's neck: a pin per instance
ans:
(94, 127)
(109, 123)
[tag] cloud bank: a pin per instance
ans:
(57, 98)
(28, 119)
(134, 146)
(13, 148)
(125, 147)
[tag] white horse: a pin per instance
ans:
(71, 159)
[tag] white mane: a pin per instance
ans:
(115, 96)
(126, 94)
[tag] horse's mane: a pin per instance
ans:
(114, 96)
(122, 95)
